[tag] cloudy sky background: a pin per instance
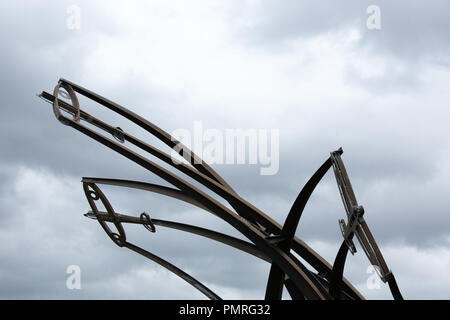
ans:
(311, 69)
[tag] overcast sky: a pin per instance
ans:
(311, 69)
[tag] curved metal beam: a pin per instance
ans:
(338, 271)
(198, 285)
(275, 282)
(163, 190)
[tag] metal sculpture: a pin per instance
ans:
(269, 241)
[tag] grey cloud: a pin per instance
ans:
(408, 29)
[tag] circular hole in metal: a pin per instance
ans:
(64, 94)
(117, 239)
(93, 195)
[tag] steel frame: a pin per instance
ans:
(274, 243)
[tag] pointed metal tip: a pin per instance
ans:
(90, 215)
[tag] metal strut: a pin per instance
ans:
(274, 288)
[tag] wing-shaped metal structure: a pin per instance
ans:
(266, 239)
